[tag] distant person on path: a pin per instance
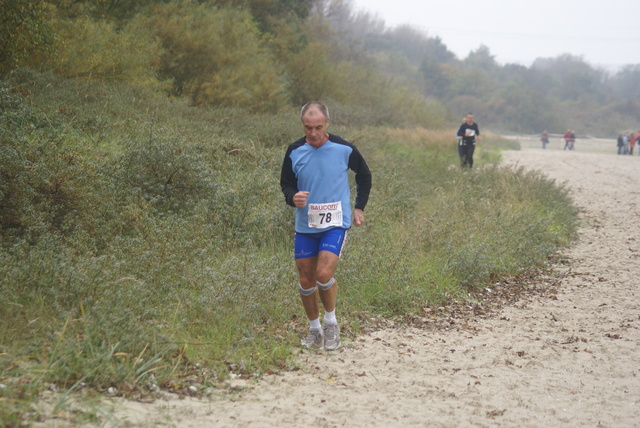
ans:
(572, 140)
(625, 142)
(567, 138)
(315, 180)
(632, 143)
(620, 144)
(638, 141)
(469, 134)
(544, 138)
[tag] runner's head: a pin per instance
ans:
(312, 107)
(315, 121)
(470, 118)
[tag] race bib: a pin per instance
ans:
(326, 215)
(470, 132)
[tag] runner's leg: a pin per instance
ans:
(470, 151)
(307, 271)
(463, 155)
(326, 266)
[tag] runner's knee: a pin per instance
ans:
(327, 285)
(307, 291)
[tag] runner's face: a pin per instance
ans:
(315, 128)
(470, 119)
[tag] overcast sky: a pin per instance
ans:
(605, 33)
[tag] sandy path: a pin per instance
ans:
(570, 361)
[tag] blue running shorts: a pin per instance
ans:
(310, 244)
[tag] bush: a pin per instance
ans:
(43, 172)
(168, 174)
(99, 50)
(215, 56)
(24, 32)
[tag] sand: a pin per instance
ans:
(569, 357)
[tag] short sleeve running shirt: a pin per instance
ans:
(323, 172)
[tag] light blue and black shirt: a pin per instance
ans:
(323, 172)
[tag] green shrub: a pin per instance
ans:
(215, 56)
(99, 50)
(167, 174)
(24, 32)
(42, 172)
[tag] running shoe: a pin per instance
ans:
(313, 339)
(331, 337)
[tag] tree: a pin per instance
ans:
(574, 79)
(97, 49)
(523, 110)
(216, 57)
(118, 12)
(267, 13)
(626, 83)
(436, 78)
(311, 80)
(416, 45)
(481, 58)
(24, 30)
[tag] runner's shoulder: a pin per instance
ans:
(339, 140)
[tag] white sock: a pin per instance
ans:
(315, 324)
(330, 317)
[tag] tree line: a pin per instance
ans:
(266, 55)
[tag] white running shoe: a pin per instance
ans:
(314, 339)
(331, 334)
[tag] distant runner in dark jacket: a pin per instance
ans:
(469, 134)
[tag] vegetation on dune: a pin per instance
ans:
(144, 241)
(150, 248)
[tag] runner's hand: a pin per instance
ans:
(358, 217)
(300, 199)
